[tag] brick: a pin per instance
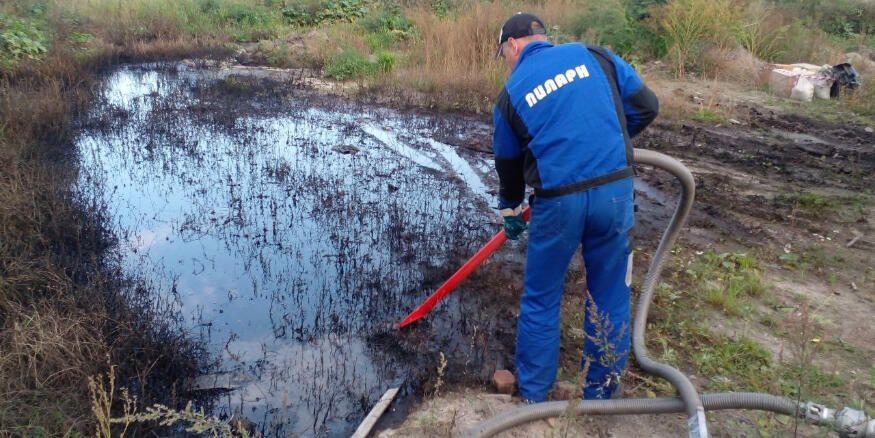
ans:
(566, 391)
(504, 381)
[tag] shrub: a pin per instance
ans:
(646, 33)
(441, 8)
(847, 18)
(604, 23)
(803, 41)
(302, 13)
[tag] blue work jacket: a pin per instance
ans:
(564, 120)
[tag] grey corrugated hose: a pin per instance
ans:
(689, 401)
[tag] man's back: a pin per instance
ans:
(559, 106)
(565, 101)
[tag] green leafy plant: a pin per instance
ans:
(20, 38)
(389, 21)
(311, 13)
(441, 8)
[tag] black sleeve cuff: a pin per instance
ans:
(512, 185)
(646, 105)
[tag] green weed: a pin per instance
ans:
(727, 280)
(379, 40)
(812, 257)
(759, 34)
(349, 64)
(733, 363)
(812, 378)
(813, 202)
(770, 320)
(844, 18)
(862, 101)
(81, 37)
(709, 116)
(690, 26)
(385, 61)
(441, 8)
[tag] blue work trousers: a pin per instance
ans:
(600, 219)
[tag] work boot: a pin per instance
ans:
(618, 392)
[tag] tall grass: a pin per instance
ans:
(454, 56)
(690, 26)
(457, 53)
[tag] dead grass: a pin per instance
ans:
(457, 53)
(711, 101)
(735, 65)
(66, 311)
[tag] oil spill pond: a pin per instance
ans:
(285, 229)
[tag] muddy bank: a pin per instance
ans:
(750, 176)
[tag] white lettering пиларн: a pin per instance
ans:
(555, 83)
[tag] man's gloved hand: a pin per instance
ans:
(514, 225)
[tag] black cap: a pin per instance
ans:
(519, 25)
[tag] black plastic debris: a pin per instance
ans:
(847, 77)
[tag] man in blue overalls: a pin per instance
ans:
(563, 124)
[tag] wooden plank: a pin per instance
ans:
(368, 423)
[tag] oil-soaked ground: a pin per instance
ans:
(289, 228)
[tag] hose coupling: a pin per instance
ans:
(818, 414)
(853, 423)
